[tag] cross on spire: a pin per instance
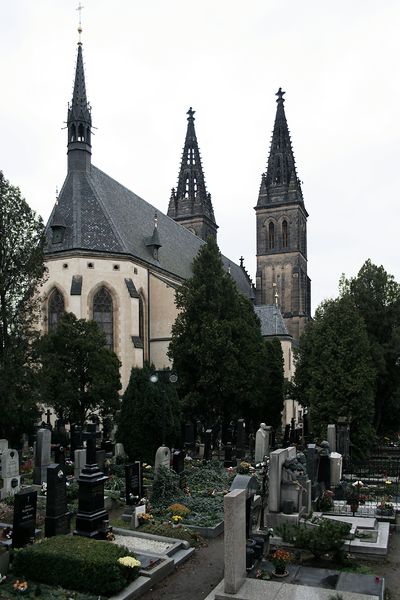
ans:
(191, 113)
(280, 93)
(79, 9)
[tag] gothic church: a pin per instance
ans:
(114, 258)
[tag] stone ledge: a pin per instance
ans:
(207, 532)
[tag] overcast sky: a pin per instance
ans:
(147, 61)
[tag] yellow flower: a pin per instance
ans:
(129, 561)
(176, 518)
(388, 482)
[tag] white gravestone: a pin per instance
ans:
(9, 473)
(163, 459)
(42, 456)
(336, 460)
(331, 437)
(119, 450)
(276, 460)
(234, 540)
(3, 445)
(262, 443)
(79, 461)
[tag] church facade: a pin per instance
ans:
(114, 258)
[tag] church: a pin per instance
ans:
(114, 258)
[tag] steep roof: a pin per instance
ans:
(272, 323)
(101, 215)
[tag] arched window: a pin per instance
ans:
(103, 314)
(56, 308)
(284, 234)
(271, 236)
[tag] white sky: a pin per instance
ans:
(147, 61)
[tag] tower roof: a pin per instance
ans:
(191, 199)
(280, 182)
(79, 121)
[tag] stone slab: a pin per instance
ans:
(174, 545)
(378, 548)
(135, 589)
(364, 584)
(363, 522)
(207, 532)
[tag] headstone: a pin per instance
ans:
(178, 461)
(250, 485)
(59, 455)
(57, 515)
(306, 426)
(234, 540)
(343, 438)
(79, 461)
(100, 459)
(136, 513)
(312, 457)
(108, 447)
(276, 460)
(292, 431)
(241, 438)
(324, 469)
(42, 456)
(189, 436)
(229, 460)
(76, 439)
(92, 517)
(119, 450)
(24, 521)
(208, 445)
(163, 458)
(3, 445)
(262, 443)
(286, 437)
(133, 483)
(331, 437)
(336, 468)
(10, 480)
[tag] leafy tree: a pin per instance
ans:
(79, 374)
(376, 295)
(21, 273)
(334, 370)
(217, 348)
(147, 408)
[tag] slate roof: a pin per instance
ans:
(101, 215)
(272, 323)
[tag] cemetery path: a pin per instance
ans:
(389, 568)
(195, 578)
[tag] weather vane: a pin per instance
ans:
(80, 7)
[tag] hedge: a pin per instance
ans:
(76, 563)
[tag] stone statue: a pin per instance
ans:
(325, 448)
(290, 470)
(301, 459)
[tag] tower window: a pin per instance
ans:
(103, 314)
(58, 235)
(271, 236)
(284, 234)
(81, 134)
(56, 308)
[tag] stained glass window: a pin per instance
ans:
(56, 308)
(103, 314)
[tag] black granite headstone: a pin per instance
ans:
(229, 460)
(324, 471)
(133, 483)
(178, 461)
(189, 436)
(76, 439)
(59, 454)
(241, 438)
(208, 444)
(57, 515)
(24, 522)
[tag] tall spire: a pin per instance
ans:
(79, 121)
(190, 204)
(280, 182)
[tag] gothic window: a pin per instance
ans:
(81, 135)
(271, 236)
(73, 133)
(284, 234)
(103, 314)
(56, 308)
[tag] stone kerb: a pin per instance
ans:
(235, 540)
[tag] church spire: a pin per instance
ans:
(190, 204)
(280, 182)
(79, 121)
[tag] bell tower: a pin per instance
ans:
(282, 232)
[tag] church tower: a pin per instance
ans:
(282, 232)
(190, 204)
(79, 122)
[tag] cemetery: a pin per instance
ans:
(293, 516)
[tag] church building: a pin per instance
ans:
(114, 258)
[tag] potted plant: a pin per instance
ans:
(280, 560)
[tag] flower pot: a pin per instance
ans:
(280, 574)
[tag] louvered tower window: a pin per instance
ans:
(271, 236)
(103, 314)
(284, 234)
(56, 309)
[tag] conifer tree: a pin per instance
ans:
(217, 348)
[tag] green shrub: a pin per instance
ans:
(207, 476)
(327, 537)
(206, 511)
(179, 533)
(166, 488)
(76, 563)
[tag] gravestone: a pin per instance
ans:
(229, 459)
(241, 438)
(24, 521)
(324, 469)
(79, 461)
(331, 437)
(276, 460)
(312, 456)
(208, 444)
(234, 540)
(57, 516)
(178, 461)
(262, 443)
(10, 479)
(250, 485)
(42, 456)
(286, 437)
(163, 459)
(92, 517)
(343, 438)
(76, 439)
(306, 427)
(108, 447)
(189, 436)
(119, 450)
(101, 459)
(59, 455)
(336, 468)
(3, 445)
(133, 483)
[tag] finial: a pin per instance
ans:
(155, 220)
(280, 93)
(56, 194)
(80, 7)
(241, 261)
(190, 112)
(276, 295)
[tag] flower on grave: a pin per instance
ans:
(176, 519)
(20, 585)
(262, 574)
(7, 533)
(129, 561)
(188, 458)
(358, 484)
(2, 578)
(110, 537)
(388, 482)
(279, 559)
(43, 488)
(144, 517)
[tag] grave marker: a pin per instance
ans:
(133, 483)
(24, 521)
(42, 456)
(57, 515)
